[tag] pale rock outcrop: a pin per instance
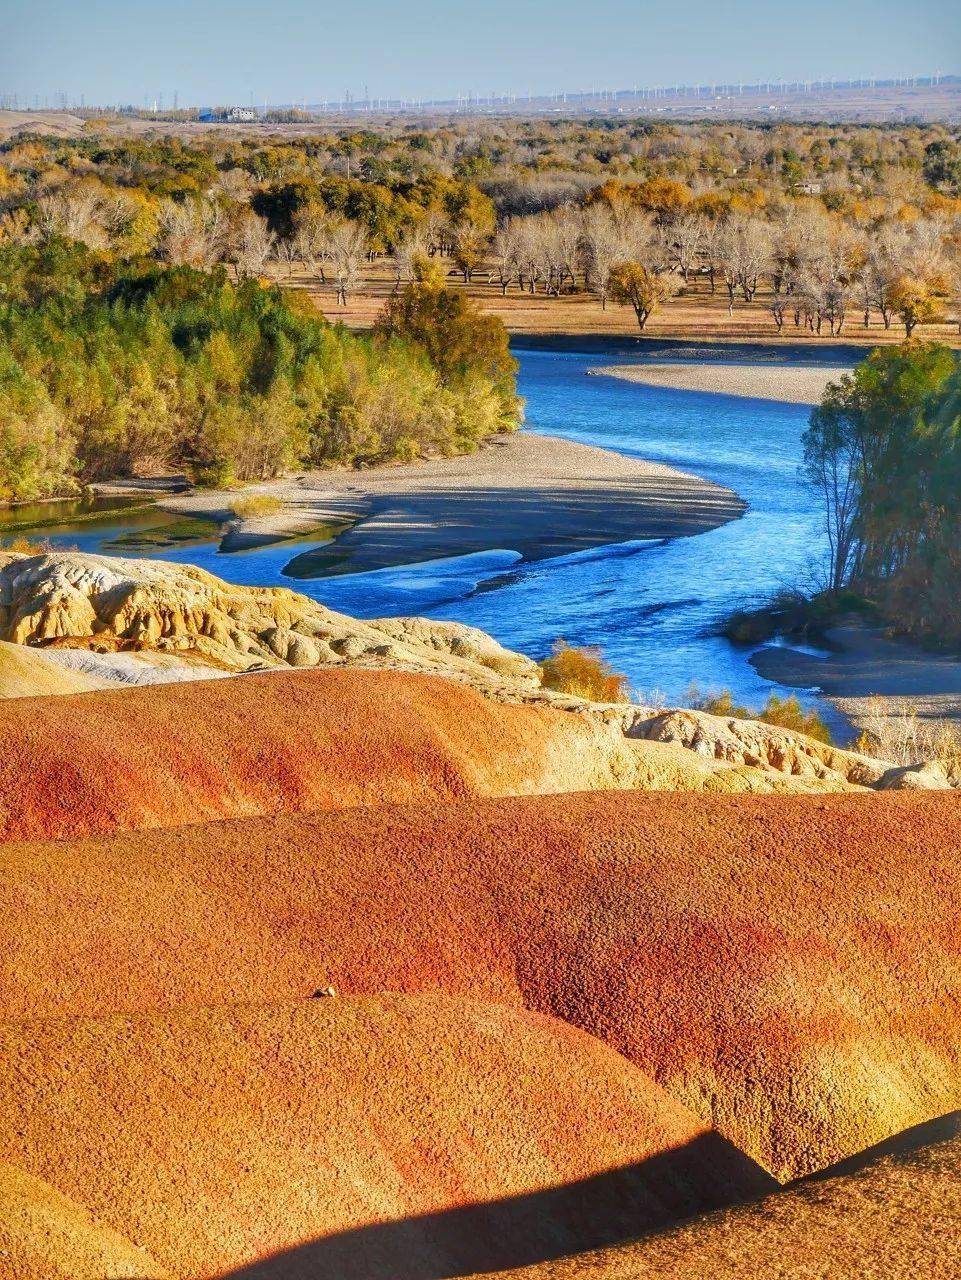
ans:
(168, 613)
(930, 775)
(30, 673)
(758, 745)
(107, 604)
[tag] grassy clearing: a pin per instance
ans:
(169, 532)
(895, 731)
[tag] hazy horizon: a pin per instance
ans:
(106, 52)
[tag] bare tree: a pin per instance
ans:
(569, 232)
(409, 250)
(192, 233)
(604, 248)
(506, 253)
(76, 214)
(117, 213)
(711, 249)
(234, 185)
(685, 238)
(879, 270)
(439, 236)
(744, 252)
(287, 250)
(348, 249)
(530, 253)
(312, 240)
(552, 253)
(926, 248)
(253, 246)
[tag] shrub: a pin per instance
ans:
(463, 344)
(248, 505)
(786, 713)
(108, 368)
(583, 673)
(895, 732)
(27, 546)
(790, 612)
(36, 448)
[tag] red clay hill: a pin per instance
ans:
(785, 966)
(289, 741)
(334, 738)
(400, 1137)
(353, 972)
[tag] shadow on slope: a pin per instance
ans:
(892, 1211)
(409, 1136)
(525, 1230)
(900, 1147)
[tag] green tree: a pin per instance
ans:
(942, 165)
(459, 340)
(884, 449)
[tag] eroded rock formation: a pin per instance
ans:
(165, 612)
(107, 603)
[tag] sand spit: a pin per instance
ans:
(793, 384)
(867, 672)
(402, 1136)
(723, 944)
(539, 495)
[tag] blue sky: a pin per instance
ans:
(295, 50)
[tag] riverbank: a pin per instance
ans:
(541, 496)
(866, 674)
(790, 384)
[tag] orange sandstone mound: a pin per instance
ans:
(402, 1136)
(788, 967)
(898, 1217)
(328, 739)
(44, 1235)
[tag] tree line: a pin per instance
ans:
(808, 267)
(812, 223)
(114, 367)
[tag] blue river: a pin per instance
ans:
(650, 607)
